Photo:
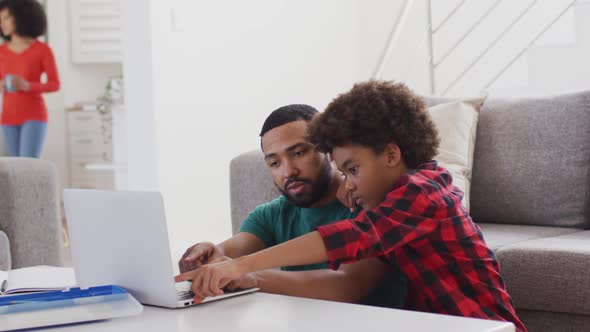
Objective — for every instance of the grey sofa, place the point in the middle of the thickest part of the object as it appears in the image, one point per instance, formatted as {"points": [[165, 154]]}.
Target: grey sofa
{"points": [[530, 194], [30, 226]]}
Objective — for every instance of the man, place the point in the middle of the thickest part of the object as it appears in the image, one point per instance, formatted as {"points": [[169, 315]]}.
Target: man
{"points": [[310, 185]]}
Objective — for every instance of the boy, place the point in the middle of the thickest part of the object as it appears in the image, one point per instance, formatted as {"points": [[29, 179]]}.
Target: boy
{"points": [[382, 139]]}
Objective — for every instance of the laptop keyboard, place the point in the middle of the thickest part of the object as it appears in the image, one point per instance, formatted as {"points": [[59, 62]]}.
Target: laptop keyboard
{"points": [[188, 295], [184, 295], [183, 290]]}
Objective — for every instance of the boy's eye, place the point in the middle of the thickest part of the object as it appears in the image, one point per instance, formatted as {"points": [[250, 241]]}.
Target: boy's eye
{"points": [[353, 170], [273, 164], [342, 174]]}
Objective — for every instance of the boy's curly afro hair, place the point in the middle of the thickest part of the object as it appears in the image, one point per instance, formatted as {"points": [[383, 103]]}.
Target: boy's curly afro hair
{"points": [[374, 114]]}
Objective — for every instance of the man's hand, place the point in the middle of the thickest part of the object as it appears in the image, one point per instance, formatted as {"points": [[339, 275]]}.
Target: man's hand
{"points": [[209, 280], [198, 255]]}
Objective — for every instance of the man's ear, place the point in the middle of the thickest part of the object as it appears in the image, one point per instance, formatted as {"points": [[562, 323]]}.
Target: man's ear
{"points": [[393, 154]]}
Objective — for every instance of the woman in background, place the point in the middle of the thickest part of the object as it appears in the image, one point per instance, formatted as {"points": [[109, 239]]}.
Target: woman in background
{"points": [[23, 60]]}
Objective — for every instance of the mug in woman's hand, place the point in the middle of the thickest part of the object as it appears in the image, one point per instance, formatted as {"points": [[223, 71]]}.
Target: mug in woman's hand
{"points": [[9, 83]]}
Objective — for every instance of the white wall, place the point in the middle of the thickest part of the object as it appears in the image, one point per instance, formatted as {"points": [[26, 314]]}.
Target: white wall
{"points": [[138, 70], [78, 83], [217, 72]]}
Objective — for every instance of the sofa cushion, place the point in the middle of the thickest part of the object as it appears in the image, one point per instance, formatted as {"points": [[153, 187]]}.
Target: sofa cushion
{"points": [[531, 162], [552, 321], [250, 185], [5, 263], [500, 235], [456, 123], [549, 274], [435, 100], [29, 211]]}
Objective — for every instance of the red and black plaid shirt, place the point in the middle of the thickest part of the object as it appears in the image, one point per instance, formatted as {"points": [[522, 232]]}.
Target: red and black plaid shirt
{"points": [[423, 228]]}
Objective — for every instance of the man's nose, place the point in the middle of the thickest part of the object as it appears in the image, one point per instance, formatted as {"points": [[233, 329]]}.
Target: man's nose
{"points": [[290, 170]]}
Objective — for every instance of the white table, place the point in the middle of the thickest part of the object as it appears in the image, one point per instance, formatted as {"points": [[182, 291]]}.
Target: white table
{"points": [[261, 312]]}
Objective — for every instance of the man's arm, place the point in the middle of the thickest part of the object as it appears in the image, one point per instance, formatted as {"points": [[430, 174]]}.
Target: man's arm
{"points": [[205, 252], [240, 245], [350, 283]]}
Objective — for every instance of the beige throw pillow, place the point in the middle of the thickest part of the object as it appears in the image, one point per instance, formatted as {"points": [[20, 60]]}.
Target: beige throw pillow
{"points": [[457, 123]]}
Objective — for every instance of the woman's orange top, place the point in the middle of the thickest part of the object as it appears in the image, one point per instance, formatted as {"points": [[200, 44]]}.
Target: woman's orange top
{"points": [[19, 107]]}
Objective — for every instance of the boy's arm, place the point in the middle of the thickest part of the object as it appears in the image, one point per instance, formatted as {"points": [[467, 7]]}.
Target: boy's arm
{"points": [[351, 283], [372, 233], [206, 252], [210, 279], [255, 234], [306, 249], [240, 245]]}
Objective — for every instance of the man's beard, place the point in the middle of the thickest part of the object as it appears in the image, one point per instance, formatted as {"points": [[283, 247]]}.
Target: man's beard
{"points": [[318, 188]]}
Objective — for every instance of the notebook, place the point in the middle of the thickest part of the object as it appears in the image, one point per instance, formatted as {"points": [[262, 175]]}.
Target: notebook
{"points": [[36, 279], [75, 305]]}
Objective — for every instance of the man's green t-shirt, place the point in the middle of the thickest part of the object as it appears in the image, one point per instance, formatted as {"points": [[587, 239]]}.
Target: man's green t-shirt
{"points": [[280, 221]]}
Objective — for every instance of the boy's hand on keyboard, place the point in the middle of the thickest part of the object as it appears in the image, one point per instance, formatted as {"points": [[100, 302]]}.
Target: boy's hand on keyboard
{"points": [[210, 279], [198, 255], [244, 282]]}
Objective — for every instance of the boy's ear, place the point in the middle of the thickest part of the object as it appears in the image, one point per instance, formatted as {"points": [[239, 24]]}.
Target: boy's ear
{"points": [[393, 154]]}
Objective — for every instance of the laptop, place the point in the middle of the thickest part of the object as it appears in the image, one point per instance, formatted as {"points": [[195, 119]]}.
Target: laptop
{"points": [[120, 238]]}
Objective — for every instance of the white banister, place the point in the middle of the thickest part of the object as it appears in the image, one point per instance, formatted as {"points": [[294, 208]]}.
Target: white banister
{"points": [[530, 44], [468, 32], [490, 46], [448, 17], [393, 38]]}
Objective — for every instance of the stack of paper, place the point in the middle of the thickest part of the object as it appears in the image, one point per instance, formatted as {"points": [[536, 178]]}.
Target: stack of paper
{"points": [[36, 279]]}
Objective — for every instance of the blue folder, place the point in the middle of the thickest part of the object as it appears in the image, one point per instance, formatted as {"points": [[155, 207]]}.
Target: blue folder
{"points": [[63, 307]]}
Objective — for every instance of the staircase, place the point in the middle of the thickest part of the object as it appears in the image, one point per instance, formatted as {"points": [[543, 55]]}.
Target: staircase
{"points": [[505, 47]]}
